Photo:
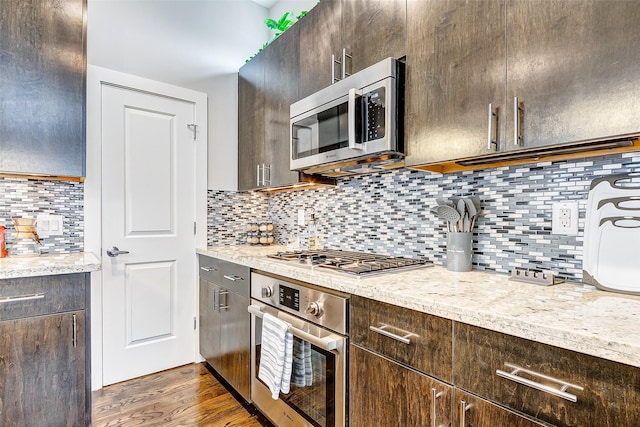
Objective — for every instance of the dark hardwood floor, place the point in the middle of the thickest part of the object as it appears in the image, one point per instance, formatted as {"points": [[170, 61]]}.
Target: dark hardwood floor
{"points": [[186, 396]]}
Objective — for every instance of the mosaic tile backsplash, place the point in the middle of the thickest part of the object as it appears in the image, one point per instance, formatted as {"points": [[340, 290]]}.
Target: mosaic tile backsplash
{"points": [[26, 198], [389, 213]]}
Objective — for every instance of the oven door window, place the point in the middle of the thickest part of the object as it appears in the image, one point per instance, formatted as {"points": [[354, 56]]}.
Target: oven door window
{"points": [[315, 401]]}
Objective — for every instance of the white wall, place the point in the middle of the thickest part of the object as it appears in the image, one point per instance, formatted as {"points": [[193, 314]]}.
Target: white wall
{"points": [[196, 44]]}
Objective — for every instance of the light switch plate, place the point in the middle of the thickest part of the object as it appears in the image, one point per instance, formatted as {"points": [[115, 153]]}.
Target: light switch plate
{"points": [[49, 225], [301, 217]]}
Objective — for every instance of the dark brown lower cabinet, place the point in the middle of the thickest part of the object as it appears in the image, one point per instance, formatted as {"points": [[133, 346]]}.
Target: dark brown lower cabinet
{"points": [[385, 393], [472, 411], [44, 351], [42, 375]]}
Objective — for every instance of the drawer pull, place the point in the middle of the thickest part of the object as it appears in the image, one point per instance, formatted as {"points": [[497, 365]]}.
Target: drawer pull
{"points": [[562, 392], [21, 298], [208, 269], [383, 331], [233, 278]]}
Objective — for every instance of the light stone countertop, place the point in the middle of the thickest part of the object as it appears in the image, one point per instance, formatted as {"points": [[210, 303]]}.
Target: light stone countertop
{"points": [[569, 315], [47, 265]]}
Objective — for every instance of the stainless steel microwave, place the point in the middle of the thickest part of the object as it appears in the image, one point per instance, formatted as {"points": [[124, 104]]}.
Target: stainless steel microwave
{"points": [[359, 117]]}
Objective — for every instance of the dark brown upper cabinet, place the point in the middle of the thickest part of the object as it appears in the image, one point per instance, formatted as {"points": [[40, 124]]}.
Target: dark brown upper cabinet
{"points": [[339, 38], [251, 123], [573, 66], [42, 87], [266, 89], [455, 72], [280, 74], [486, 78]]}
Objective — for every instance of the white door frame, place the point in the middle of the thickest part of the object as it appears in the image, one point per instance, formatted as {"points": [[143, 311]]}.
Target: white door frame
{"points": [[96, 77]]}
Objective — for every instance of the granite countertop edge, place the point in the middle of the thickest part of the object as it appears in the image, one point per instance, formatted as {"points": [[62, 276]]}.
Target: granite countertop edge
{"points": [[572, 316], [48, 265]]}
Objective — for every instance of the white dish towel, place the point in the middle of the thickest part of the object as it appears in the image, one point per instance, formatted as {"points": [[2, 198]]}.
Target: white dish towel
{"points": [[276, 355]]}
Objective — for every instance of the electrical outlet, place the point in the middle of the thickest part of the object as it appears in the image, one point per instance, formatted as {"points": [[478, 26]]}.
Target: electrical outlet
{"points": [[301, 217], [565, 218]]}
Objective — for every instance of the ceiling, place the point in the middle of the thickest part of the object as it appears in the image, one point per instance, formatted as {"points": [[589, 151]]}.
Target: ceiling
{"points": [[266, 3], [181, 42]]}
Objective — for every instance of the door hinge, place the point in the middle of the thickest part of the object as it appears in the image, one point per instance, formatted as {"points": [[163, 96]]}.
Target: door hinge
{"points": [[194, 227], [194, 323], [194, 128]]}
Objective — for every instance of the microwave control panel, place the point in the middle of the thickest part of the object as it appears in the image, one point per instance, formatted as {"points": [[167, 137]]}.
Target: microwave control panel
{"points": [[375, 114]]}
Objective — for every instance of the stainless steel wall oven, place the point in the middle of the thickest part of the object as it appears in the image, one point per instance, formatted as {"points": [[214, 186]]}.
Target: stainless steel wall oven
{"points": [[318, 317]]}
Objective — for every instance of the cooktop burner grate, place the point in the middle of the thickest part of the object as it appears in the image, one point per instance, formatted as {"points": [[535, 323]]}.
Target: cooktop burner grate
{"points": [[356, 263]]}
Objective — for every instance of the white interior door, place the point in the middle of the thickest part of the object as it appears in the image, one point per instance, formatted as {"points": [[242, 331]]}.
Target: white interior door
{"points": [[147, 210]]}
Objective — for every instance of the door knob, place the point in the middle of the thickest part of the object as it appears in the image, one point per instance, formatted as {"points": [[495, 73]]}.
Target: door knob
{"points": [[114, 252]]}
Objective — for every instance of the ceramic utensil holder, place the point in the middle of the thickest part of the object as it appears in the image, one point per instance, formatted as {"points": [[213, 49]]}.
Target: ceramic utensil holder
{"points": [[459, 251]]}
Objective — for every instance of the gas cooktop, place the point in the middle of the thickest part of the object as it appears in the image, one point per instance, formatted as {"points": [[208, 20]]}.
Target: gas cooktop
{"points": [[355, 263]]}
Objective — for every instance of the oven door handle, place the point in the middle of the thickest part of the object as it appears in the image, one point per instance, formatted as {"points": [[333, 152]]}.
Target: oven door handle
{"points": [[328, 343]]}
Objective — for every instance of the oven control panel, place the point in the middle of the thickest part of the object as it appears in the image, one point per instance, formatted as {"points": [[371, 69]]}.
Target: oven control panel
{"points": [[289, 297], [318, 305]]}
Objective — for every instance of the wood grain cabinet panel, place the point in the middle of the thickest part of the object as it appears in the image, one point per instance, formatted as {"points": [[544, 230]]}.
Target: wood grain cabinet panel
{"points": [[42, 87], [473, 411], [251, 130], [574, 66], [430, 337], [373, 30], [385, 393], [455, 70], [319, 38], [42, 374], [280, 74], [569, 65], [44, 358], [610, 394], [41, 295], [368, 30]]}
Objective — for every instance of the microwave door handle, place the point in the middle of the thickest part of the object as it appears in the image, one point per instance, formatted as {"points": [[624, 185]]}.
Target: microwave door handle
{"points": [[351, 107]]}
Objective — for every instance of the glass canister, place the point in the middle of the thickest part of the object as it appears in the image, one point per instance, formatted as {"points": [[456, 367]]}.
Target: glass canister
{"points": [[26, 241]]}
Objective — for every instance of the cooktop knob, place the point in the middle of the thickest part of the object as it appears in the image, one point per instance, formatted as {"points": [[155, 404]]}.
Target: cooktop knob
{"points": [[314, 309], [267, 292]]}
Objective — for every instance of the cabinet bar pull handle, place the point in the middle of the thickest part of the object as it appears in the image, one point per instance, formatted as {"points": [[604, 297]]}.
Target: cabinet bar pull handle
{"points": [[21, 298], [345, 55], [463, 413], [233, 278], [208, 269], [333, 69], [513, 376], [434, 395], [492, 134], [257, 175], [222, 292], [518, 112], [266, 178], [382, 331], [74, 339]]}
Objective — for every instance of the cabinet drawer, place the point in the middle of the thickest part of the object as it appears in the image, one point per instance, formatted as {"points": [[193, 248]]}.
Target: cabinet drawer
{"points": [[235, 278], [485, 362], [209, 268], [429, 337], [36, 296]]}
